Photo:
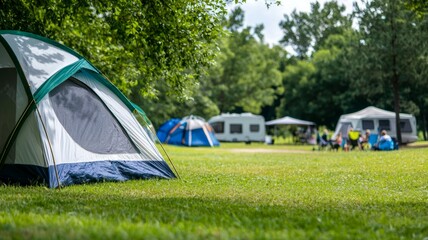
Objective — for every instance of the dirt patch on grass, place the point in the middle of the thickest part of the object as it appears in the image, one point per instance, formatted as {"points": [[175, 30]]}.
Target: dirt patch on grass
{"points": [[415, 145], [263, 150]]}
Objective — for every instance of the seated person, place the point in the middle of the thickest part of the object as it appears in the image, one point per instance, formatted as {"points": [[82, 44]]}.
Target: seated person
{"points": [[364, 140], [354, 137], [324, 138], [385, 142], [338, 142]]}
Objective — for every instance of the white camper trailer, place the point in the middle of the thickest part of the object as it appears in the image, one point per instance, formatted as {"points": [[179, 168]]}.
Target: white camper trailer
{"points": [[244, 127], [375, 120]]}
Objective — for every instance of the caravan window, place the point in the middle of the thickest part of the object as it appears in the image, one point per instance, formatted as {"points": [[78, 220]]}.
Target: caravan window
{"points": [[218, 127], [384, 125], [254, 127], [405, 126], [368, 124], [235, 128]]}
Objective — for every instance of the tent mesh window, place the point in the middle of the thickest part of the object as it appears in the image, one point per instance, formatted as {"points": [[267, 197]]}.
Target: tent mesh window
{"points": [[87, 120], [8, 91]]}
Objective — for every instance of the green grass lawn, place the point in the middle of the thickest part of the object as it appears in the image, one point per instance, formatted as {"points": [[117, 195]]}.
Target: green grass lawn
{"points": [[238, 191]]}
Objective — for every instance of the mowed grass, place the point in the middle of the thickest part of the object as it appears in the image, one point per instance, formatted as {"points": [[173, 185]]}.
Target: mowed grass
{"points": [[238, 191]]}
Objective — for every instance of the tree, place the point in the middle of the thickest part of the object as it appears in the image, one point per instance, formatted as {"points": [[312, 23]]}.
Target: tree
{"points": [[297, 84], [135, 43], [249, 75], [316, 86], [420, 6], [416, 93], [244, 78], [306, 32], [332, 93], [388, 46]]}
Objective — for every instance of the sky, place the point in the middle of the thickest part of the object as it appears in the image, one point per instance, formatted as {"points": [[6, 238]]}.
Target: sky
{"points": [[256, 12]]}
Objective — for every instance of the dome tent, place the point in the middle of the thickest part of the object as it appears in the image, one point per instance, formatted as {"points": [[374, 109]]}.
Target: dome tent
{"points": [[166, 127], [64, 123], [191, 131]]}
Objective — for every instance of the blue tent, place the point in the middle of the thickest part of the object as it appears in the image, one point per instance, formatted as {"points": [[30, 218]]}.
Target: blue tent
{"points": [[166, 127], [191, 131]]}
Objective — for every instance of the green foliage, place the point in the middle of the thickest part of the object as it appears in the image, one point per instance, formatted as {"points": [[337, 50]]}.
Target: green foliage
{"points": [[419, 6], [165, 107], [316, 87], [248, 76], [135, 43], [392, 43], [306, 32], [383, 63], [280, 192]]}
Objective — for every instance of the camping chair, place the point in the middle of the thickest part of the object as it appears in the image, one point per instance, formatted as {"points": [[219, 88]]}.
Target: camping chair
{"points": [[372, 140], [354, 137], [394, 140], [322, 143]]}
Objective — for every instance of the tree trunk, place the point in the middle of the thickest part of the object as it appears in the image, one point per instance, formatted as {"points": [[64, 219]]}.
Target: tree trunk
{"points": [[395, 78], [397, 108], [424, 128]]}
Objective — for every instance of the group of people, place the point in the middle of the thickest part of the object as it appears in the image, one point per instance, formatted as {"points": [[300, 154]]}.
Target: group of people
{"points": [[355, 139]]}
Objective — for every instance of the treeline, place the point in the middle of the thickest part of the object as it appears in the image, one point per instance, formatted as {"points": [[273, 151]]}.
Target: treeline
{"points": [[176, 58], [376, 55]]}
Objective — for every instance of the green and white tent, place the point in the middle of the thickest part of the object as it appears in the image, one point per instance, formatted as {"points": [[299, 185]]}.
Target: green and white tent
{"points": [[62, 122]]}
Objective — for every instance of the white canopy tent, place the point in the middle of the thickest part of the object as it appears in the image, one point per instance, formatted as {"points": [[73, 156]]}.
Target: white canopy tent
{"points": [[290, 121], [376, 119]]}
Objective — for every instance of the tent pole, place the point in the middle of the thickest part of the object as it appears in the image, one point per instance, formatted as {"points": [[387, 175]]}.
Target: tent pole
{"points": [[275, 131], [50, 147], [151, 128], [169, 159], [208, 135]]}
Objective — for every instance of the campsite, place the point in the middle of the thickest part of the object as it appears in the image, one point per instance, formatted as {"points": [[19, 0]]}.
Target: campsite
{"points": [[178, 119]]}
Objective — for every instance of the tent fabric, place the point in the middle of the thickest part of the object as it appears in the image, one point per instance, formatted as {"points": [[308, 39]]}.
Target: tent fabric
{"points": [[59, 77], [373, 112], [27, 148], [66, 123], [166, 127], [191, 131], [289, 121], [376, 119], [40, 59], [87, 120]]}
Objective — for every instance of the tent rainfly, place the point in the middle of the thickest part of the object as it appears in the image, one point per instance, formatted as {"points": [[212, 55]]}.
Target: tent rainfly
{"points": [[64, 123]]}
